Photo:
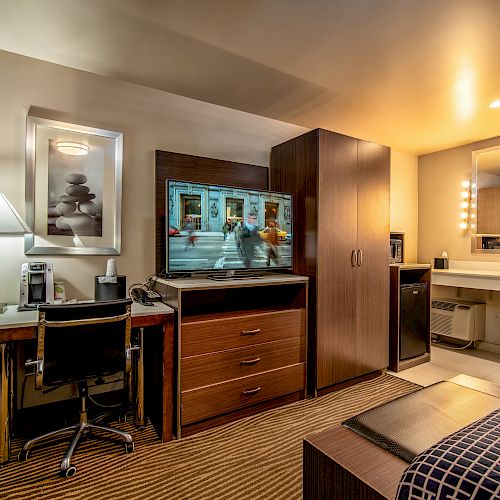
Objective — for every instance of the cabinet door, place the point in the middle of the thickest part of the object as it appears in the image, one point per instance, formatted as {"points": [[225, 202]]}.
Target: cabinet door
{"points": [[373, 242], [336, 346]]}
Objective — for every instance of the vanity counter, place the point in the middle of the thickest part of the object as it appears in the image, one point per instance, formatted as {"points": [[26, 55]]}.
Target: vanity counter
{"points": [[481, 279]]}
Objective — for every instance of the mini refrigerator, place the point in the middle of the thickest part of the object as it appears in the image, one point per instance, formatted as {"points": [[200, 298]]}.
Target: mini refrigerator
{"points": [[413, 320]]}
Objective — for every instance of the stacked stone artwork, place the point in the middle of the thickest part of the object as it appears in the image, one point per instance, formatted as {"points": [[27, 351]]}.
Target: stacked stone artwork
{"points": [[76, 210]]}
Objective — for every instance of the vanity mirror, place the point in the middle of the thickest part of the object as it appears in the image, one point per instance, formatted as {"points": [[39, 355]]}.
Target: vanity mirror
{"points": [[485, 200]]}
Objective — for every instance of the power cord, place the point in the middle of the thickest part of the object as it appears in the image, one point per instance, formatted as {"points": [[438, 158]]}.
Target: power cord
{"points": [[448, 346], [102, 405]]}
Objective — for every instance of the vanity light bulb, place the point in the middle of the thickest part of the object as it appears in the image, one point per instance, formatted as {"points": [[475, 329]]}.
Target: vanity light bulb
{"points": [[473, 205], [473, 216], [474, 185], [473, 195], [465, 184], [473, 226], [463, 225], [464, 204], [464, 194], [463, 215]]}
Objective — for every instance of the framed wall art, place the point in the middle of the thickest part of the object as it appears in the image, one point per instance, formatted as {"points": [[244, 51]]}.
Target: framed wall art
{"points": [[73, 188]]}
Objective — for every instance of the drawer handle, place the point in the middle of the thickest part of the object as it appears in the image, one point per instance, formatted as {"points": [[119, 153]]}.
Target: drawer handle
{"points": [[250, 361], [250, 332], [250, 392]]}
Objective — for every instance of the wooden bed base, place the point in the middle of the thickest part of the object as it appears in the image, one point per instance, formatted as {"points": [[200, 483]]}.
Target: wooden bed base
{"points": [[338, 463]]}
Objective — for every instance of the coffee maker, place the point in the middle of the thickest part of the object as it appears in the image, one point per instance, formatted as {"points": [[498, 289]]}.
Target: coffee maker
{"points": [[37, 285]]}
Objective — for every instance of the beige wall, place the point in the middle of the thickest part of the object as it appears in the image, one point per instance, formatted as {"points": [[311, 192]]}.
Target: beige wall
{"points": [[150, 120], [440, 176], [404, 200]]}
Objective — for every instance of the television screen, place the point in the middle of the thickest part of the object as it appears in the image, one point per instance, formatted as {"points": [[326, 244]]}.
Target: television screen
{"points": [[224, 228]]}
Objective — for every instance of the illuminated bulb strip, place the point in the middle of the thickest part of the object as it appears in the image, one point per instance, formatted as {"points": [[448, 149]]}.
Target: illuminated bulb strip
{"points": [[73, 148], [466, 196], [495, 104]]}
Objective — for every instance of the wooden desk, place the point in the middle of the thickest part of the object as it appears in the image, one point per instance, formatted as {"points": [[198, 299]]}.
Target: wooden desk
{"points": [[19, 326]]}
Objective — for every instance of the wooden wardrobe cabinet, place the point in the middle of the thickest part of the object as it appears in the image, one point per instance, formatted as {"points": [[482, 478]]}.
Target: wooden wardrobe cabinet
{"points": [[340, 188]]}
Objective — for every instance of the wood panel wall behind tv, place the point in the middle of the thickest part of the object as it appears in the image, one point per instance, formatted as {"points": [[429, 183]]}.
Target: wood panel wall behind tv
{"points": [[190, 168]]}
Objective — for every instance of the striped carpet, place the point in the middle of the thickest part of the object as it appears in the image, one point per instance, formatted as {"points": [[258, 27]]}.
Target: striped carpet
{"points": [[257, 457]]}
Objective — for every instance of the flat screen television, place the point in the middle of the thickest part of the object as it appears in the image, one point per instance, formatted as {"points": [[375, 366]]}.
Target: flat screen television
{"points": [[218, 228]]}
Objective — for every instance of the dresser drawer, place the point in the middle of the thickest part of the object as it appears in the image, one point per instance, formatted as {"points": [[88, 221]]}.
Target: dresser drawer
{"points": [[213, 368], [201, 337], [206, 402]]}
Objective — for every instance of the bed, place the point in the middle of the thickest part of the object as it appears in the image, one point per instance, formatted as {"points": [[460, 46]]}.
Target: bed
{"points": [[342, 463]]}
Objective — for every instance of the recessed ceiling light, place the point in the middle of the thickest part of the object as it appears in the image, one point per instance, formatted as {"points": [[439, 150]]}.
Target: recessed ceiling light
{"points": [[495, 104]]}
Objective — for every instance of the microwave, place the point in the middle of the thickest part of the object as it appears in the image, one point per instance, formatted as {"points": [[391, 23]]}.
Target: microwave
{"points": [[396, 251]]}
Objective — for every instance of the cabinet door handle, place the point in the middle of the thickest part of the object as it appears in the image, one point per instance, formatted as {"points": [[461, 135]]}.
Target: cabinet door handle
{"points": [[249, 361], [360, 257], [250, 332], [353, 258], [250, 392]]}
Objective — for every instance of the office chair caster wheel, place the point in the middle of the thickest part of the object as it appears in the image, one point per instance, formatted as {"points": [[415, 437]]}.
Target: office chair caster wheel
{"points": [[69, 472], [23, 455], [129, 447]]}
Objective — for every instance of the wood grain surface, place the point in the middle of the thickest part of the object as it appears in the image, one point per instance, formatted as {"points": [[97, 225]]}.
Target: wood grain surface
{"points": [[241, 331], [205, 402], [213, 368]]}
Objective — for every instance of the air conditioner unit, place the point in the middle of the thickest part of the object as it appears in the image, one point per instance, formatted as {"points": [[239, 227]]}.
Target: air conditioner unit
{"points": [[459, 319]]}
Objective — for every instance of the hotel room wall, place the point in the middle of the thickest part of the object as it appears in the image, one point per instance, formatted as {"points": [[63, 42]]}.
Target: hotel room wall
{"points": [[440, 176], [404, 200], [150, 120]]}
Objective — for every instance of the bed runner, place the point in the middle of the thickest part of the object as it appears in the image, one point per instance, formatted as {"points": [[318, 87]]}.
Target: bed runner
{"points": [[413, 423]]}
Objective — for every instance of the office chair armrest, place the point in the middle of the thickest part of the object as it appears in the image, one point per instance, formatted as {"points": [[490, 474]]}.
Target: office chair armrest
{"points": [[38, 364]]}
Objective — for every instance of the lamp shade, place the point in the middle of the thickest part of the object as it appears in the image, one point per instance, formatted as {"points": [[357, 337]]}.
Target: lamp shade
{"points": [[10, 221]]}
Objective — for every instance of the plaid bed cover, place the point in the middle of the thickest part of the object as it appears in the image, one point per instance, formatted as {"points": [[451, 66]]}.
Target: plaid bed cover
{"points": [[463, 466]]}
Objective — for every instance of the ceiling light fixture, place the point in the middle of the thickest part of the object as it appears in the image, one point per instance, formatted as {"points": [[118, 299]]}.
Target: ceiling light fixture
{"points": [[495, 104], [73, 148]]}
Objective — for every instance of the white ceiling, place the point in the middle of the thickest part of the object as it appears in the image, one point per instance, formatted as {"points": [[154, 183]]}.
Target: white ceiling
{"points": [[417, 75]]}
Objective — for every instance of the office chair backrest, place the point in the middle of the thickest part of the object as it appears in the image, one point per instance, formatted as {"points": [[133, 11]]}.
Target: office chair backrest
{"points": [[81, 341]]}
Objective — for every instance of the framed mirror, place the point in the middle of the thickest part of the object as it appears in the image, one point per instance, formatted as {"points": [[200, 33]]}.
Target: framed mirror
{"points": [[485, 200]]}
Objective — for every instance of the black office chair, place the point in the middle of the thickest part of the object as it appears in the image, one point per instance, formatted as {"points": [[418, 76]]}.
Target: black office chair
{"points": [[77, 343]]}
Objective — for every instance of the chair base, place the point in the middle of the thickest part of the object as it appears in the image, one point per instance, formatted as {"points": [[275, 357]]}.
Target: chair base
{"points": [[79, 431]]}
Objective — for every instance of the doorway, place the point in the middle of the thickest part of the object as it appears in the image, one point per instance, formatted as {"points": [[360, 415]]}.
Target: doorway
{"points": [[191, 207], [234, 211], [271, 213]]}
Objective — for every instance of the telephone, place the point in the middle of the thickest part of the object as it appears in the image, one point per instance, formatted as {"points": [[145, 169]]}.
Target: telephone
{"points": [[143, 296]]}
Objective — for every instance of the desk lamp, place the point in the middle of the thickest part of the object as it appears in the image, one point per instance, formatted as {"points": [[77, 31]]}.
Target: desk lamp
{"points": [[11, 223]]}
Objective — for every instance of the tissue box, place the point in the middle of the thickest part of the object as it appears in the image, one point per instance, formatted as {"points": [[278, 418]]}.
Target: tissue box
{"points": [[111, 291], [441, 263], [3, 307]]}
